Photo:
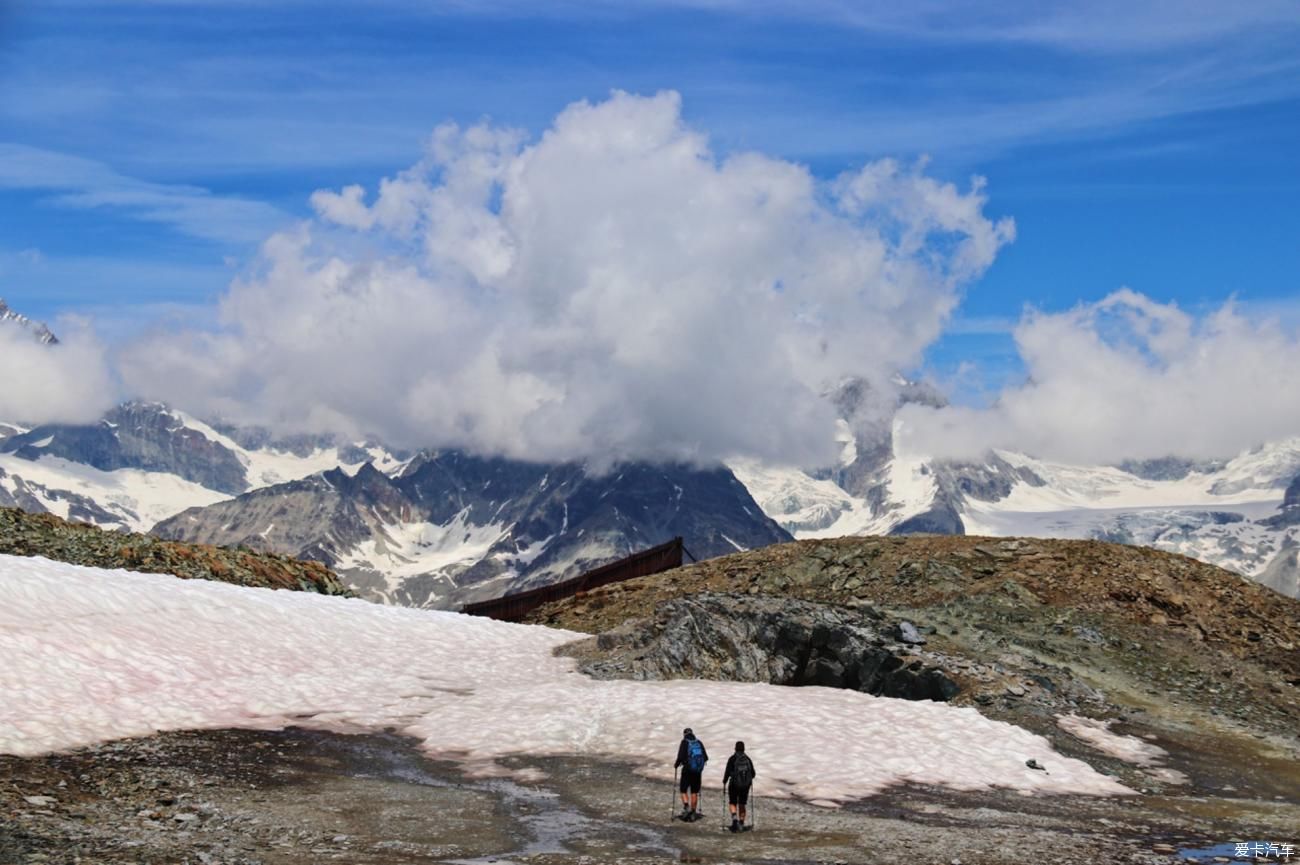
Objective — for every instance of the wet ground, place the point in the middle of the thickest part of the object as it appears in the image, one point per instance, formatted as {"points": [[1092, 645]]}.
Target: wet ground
{"points": [[296, 797]]}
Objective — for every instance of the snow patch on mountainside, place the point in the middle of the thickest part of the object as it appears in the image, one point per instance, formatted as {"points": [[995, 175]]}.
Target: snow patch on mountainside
{"points": [[95, 655], [799, 502], [138, 499], [403, 550], [810, 507]]}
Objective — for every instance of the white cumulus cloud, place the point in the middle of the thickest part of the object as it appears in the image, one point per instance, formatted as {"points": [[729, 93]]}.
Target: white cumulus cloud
{"points": [[65, 383], [613, 289], [1128, 377]]}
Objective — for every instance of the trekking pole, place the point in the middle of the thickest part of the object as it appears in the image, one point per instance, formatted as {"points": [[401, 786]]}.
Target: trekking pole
{"points": [[753, 807], [672, 815], [726, 824]]}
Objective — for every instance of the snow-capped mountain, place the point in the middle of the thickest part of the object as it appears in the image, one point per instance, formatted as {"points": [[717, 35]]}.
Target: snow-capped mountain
{"points": [[1233, 513], [452, 528], [144, 462], [430, 530], [39, 332]]}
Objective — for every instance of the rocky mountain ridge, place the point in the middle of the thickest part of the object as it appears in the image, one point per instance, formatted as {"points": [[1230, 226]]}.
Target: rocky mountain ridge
{"points": [[452, 528], [39, 331]]}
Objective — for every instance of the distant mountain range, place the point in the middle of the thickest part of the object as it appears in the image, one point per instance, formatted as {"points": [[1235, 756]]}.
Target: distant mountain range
{"points": [[1241, 513], [439, 528]]}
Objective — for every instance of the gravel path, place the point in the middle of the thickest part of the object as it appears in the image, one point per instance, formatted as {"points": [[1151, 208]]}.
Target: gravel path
{"points": [[296, 797]]}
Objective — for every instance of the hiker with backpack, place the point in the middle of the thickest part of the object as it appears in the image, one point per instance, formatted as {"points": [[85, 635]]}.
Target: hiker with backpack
{"points": [[740, 772], [691, 757]]}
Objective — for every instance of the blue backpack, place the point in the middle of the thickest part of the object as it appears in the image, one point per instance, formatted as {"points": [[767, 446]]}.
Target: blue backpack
{"points": [[695, 755]]}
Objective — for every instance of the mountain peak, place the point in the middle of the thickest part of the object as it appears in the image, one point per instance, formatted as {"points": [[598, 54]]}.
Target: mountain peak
{"points": [[41, 333]]}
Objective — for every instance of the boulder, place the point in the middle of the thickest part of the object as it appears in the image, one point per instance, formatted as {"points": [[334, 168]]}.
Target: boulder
{"points": [[761, 638]]}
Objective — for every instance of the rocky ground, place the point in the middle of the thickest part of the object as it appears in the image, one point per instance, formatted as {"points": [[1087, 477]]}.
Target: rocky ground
{"points": [[296, 797], [26, 534]]}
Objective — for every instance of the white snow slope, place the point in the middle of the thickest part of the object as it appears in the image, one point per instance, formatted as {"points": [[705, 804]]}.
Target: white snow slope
{"points": [[91, 655]]}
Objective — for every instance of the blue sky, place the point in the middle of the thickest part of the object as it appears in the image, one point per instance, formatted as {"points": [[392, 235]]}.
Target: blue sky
{"points": [[147, 147]]}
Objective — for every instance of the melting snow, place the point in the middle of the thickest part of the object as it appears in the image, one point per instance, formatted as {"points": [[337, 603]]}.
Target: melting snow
{"points": [[734, 544], [1097, 733], [94, 655]]}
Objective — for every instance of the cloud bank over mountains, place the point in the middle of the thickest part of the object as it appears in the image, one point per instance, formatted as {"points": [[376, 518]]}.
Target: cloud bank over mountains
{"points": [[1127, 377], [614, 289], [611, 290]]}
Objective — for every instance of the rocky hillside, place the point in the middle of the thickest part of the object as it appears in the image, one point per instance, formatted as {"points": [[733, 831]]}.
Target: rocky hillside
{"points": [[1200, 662], [25, 534], [1139, 586]]}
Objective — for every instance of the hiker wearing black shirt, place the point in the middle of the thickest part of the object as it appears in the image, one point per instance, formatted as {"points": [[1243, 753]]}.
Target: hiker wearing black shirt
{"points": [[691, 757], [740, 772]]}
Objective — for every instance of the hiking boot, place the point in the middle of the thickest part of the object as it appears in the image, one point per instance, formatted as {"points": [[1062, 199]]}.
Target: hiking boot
{"points": [[735, 825]]}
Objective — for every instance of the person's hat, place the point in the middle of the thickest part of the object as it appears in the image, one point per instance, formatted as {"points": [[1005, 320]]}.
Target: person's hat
{"points": [[687, 733]]}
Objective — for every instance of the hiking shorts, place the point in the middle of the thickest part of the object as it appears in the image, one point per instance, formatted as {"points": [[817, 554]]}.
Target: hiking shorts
{"points": [[691, 781], [737, 795]]}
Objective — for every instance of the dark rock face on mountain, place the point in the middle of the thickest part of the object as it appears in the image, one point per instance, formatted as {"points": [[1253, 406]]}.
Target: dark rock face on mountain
{"points": [[1168, 468], [988, 481], [454, 528], [942, 519], [318, 518], [137, 435], [39, 332], [781, 641], [1289, 511], [24, 534]]}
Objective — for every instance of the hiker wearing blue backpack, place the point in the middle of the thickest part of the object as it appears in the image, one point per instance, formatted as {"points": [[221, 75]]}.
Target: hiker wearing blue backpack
{"points": [[691, 757], [740, 772]]}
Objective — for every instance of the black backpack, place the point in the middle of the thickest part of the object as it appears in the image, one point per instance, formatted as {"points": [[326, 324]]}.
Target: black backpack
{"points": [[742, 774]]}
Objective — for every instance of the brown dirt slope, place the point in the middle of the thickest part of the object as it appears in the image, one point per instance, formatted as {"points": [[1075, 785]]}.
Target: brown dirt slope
{"points": [[24, 534]]}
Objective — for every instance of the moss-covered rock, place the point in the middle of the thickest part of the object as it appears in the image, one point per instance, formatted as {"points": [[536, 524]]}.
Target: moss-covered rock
{"points": [[25, 534]]}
